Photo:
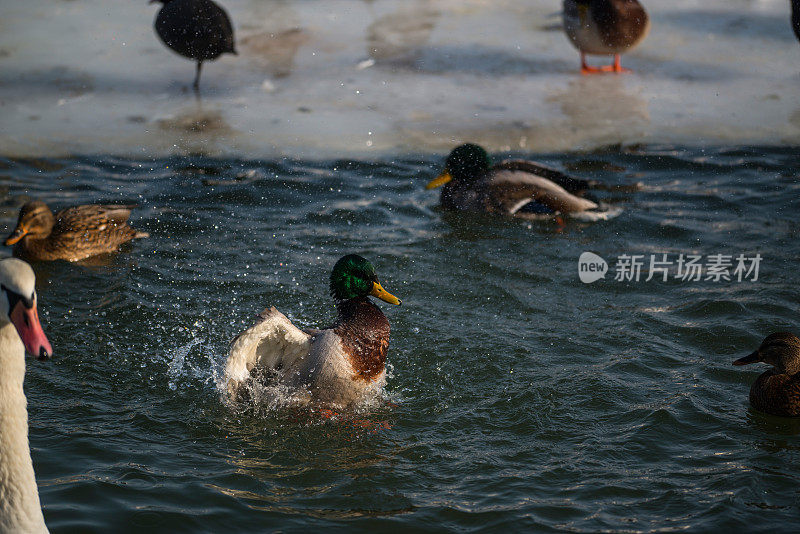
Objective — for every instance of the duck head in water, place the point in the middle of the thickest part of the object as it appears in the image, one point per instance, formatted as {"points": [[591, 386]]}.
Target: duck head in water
{"points": [[35, 220], [354, 277], [466, 163], [780, 350]]}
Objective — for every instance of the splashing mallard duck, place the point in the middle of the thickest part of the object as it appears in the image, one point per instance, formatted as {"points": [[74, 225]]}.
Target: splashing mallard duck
{"points": [[776, 391], [605, 28], [71, 234], [337, 365], [516, 188]]}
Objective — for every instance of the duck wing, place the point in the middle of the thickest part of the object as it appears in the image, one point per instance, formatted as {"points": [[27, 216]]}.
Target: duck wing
{"points": [[776, 394], [576, 186], [273, 342], [511, 191], [572, 185], [230, 45], [91, 218]]}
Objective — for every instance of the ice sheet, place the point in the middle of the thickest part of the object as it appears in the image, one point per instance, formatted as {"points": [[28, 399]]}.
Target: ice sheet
{"points": [[321, 78]]}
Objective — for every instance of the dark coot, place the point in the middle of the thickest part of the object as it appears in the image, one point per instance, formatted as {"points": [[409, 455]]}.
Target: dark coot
{"points": [[197, 29], [796, 18]]}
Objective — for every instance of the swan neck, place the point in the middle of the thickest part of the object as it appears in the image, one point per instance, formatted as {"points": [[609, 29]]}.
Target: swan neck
{"points": [[20, 510]]}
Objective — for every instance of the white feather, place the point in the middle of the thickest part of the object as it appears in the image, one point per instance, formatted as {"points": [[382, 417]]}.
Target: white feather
{"points": [[546, 192], [516, 207], [20, 510], [272, 343], [317, 363]]}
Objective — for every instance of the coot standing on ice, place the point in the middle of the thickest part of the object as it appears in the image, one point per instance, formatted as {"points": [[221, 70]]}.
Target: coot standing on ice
{"points": [[796, 18], [197, 29]]}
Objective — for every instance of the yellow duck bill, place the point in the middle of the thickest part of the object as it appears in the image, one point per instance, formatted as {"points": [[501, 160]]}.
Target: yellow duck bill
{"points": [[439, 180], [379, 292]]}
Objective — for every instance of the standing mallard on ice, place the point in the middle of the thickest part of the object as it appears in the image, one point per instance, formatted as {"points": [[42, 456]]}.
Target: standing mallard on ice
{"points": [[605, 28], [516, 188], [776, 391], [197, 29], [338, 365], [73, 233]]}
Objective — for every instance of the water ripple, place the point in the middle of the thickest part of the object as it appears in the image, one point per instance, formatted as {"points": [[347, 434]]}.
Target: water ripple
{"points": [[518, 397]]}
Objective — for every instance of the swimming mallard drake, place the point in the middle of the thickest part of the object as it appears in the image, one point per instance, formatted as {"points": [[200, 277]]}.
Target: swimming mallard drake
{"points": [[73, 233], [777, 391], [339, 364], [515, 188], [605, 28]]}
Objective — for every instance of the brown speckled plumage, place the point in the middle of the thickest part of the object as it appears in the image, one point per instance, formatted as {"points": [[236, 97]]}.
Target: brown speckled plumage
{"points": [[777, 394], [622, 23], [71, 234], [777, 391], [364, 333], [605, 28]]}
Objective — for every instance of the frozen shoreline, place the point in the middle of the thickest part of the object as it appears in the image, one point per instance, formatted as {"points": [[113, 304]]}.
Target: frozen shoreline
{"points": [[353, 78]]}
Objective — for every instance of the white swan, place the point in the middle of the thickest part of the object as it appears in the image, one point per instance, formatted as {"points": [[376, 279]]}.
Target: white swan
{"points": [[20, 511]]}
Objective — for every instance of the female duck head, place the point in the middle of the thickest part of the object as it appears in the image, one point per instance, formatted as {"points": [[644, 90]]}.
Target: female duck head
{"points": [[780, 350], [465, 163], [35, 219], [354, 277]]}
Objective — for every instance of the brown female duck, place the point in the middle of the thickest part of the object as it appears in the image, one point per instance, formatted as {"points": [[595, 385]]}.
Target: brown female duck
{"points": [[605, 28], [71, 234], [777, 391], [338, 365]]}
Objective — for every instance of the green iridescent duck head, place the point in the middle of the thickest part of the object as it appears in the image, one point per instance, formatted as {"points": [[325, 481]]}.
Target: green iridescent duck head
{"points": [[465, 163], [354, 277]]}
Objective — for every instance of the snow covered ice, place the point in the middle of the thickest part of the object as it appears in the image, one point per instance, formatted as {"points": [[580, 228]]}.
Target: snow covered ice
{"points": [[353, 77]]}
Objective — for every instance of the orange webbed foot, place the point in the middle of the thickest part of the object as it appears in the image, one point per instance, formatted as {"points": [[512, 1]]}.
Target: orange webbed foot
{"points": [[605, 69], [615, 67], [585, 69]]}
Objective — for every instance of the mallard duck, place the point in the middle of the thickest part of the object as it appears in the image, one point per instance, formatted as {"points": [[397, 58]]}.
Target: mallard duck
{"points": [[73, 233], [197, 29], [515, 188], [776, 391], [337, 365], [20, 330], [605, 28]]}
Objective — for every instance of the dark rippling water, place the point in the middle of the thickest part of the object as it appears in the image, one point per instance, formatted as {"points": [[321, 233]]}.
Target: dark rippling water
{"points": [[518, 396]]}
